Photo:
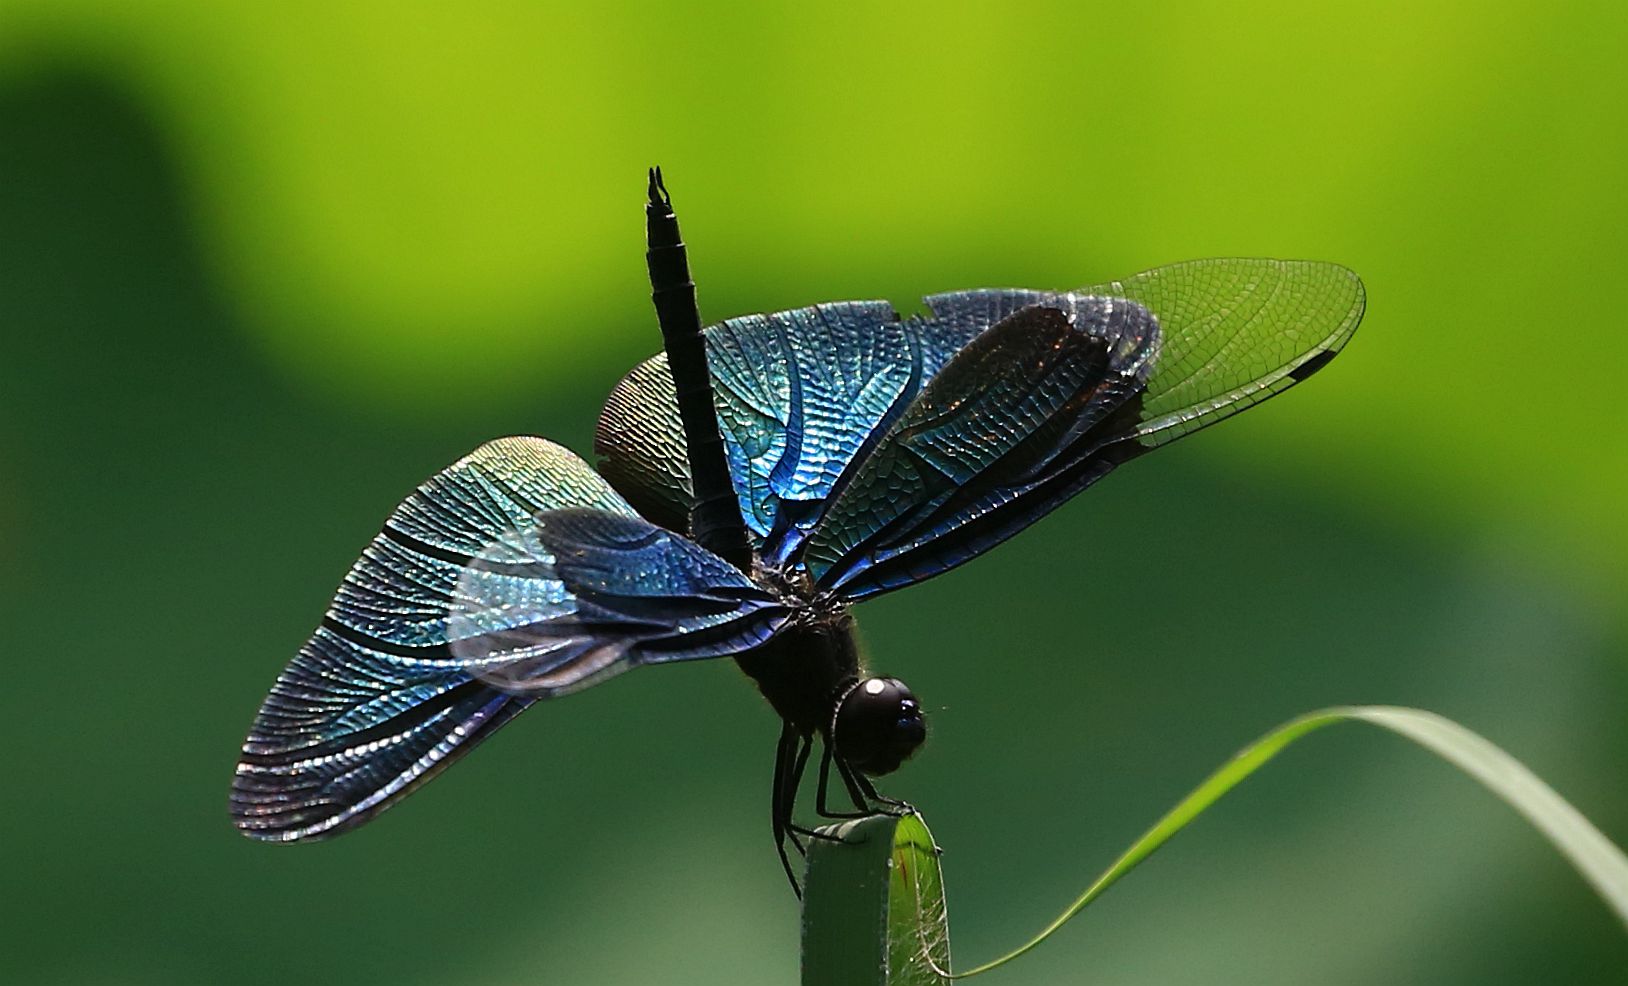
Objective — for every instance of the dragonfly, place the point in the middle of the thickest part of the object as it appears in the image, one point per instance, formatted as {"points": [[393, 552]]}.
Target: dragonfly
{"points": [[755, 480]]}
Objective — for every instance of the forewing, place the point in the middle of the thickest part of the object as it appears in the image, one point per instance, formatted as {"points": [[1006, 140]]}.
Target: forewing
{"points": [[1235, 332], [1230, 333], [1004, 432], [800, 396], [400, 679], [971, 312]]}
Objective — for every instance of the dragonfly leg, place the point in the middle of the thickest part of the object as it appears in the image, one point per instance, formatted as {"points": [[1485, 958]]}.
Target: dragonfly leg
{"points": [[785, 755], [817, 834], [820, 803], [864, 794], [790, 761], [794, 780], [891, 806], [850, 780]]}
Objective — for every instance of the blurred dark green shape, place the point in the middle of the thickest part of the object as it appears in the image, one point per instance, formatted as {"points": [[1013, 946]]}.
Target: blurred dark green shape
{"points": [[217, 323]]}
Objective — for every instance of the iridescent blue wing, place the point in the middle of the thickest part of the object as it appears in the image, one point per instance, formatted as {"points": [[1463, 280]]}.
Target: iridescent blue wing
{"points": [[515, 574], [1229, 333], [1234, 332], [582, 594], [975, 311], [800, 396], [1000, 435]]}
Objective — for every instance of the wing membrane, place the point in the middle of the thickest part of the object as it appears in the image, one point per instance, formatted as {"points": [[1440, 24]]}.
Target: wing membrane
{"points": [[1236, 331], [1231, 333], [974, 311], [591, 593], [406, 671], [800, 395], [640, 444], [996, 439]]}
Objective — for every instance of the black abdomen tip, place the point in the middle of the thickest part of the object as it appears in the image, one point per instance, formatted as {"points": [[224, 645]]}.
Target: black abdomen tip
{"points": [[658, 191]]}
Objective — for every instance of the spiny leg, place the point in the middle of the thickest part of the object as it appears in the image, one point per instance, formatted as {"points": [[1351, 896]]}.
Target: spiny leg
{"points": [[793, 782], [893, 806], [850, 781], [820, 803], [864, 794]]}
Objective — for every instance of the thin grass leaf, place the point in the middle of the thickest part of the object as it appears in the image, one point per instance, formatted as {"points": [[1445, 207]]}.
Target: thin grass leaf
{"points": [[1600, 862]]}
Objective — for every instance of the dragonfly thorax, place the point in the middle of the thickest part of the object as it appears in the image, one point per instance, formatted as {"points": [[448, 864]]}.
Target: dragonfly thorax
{"points": [[805, 669]]}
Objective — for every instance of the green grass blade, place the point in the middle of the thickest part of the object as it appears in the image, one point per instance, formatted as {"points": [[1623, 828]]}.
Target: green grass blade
{"points": [[918, 923], [1600, 862], [873, 905], [845, 902]]}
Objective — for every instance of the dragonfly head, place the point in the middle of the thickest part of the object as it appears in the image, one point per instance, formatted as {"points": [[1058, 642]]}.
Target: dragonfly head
{"points": [[878, 725]]}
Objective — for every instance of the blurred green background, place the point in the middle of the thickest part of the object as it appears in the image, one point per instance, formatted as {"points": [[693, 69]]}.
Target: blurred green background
{"points": [[263, 268]]}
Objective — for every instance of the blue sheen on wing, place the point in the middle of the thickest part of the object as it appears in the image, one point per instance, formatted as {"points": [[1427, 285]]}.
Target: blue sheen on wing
{"points": [[1001, 435], [1227, 333], [801, 397], [799, 394], [969, 313], [635, 594], [402, 675], [1232, 332]]}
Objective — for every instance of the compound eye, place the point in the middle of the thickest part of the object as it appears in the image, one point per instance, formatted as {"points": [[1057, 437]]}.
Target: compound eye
{"points": [[878, 725]]}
